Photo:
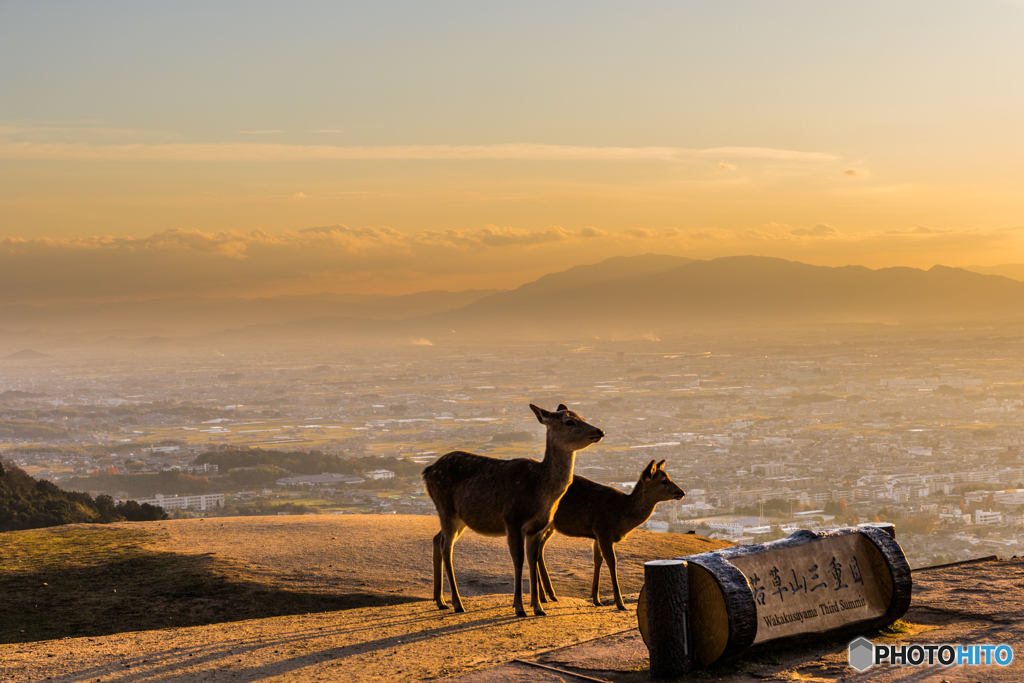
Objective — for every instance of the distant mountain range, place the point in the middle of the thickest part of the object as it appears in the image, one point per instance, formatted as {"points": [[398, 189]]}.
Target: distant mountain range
{"points": [[620, 298], [1013, 271], [653, 295], [743, 290]]}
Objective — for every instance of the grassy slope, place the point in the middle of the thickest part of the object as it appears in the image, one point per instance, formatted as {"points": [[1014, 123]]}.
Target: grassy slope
{"points": [[88, 580]]}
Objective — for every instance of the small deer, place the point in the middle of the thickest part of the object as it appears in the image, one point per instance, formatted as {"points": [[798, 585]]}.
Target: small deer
{"points": [[592, 510], [512, 498]]}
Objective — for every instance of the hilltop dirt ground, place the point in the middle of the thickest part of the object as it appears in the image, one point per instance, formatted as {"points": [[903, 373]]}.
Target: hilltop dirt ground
{"points": [[313, 598]]}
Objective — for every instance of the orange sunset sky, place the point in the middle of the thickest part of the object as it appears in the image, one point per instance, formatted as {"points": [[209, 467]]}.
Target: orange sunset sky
{"points": [[261, 148]]}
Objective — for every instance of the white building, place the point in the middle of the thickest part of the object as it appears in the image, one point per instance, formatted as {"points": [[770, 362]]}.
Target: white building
{"points": [[377, 475], [731, 528], [193, 469], [988, 517], [769, 469], [1010, 497], [203, 502], [955, 517]]}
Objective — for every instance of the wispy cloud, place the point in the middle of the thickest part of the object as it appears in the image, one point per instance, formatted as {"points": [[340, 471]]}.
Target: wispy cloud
{"points": [[925, 230], [755, 234], [641, 233], [819, 230], [83, 132], [919, 230], [255, 152], [768, 153]]}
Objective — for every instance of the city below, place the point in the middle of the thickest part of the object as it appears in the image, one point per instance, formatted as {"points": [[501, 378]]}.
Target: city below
{"points": [[837, 426]]}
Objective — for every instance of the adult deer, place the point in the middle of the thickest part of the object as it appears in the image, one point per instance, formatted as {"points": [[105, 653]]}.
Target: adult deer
{"points": [[512, 498], [592, 510]]}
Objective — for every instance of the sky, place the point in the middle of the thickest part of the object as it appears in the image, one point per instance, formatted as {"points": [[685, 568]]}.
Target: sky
{"points": [[260, 148]]}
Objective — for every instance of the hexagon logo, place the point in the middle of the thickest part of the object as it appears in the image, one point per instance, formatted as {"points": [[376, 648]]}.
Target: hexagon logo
{"points": [[862, 653]]}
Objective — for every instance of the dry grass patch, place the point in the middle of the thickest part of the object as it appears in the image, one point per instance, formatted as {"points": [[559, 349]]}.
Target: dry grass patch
{"points": [[89, 580]]}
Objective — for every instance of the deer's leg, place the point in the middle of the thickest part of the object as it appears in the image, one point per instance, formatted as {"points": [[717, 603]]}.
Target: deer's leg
{"points": [[438, 587], [446, 554], [595, 589], [514, 536], [532, 552], [608, 550], [542, 567]]}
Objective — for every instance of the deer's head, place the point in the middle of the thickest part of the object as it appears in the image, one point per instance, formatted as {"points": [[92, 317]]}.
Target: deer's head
{"points": [[656, 485], [566, 429]]}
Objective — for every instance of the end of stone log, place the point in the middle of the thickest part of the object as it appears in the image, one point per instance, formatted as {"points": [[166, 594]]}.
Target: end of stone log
{"points": [[887, 527], [666, 584]]}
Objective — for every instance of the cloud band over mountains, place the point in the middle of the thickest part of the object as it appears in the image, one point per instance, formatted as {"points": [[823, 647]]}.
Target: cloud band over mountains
{"points": [[339, 258], [334, 258]]}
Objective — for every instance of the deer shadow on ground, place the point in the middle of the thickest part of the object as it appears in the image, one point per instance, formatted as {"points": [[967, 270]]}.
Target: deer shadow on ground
{"points": [[166, 665]]}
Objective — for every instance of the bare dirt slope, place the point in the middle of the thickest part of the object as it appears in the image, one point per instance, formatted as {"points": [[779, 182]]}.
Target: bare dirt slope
{"points": [[355, 591]]}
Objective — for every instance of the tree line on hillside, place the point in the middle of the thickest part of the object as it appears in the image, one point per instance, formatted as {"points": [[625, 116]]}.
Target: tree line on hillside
{"points": [[143, 485], [26, 503], [312, 462], [237, 470], [28, 429], [296, 462], [91, 449]]}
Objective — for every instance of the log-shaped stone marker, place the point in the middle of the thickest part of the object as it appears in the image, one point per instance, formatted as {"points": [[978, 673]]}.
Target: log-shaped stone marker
{"points": [[806, 586], [668, 596]]}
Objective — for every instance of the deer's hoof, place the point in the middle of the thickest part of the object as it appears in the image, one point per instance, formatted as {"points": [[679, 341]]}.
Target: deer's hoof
{"points": [[598, 603], [459, 609], [520, 612], [441, 605], [539, 612], [621, 608]]}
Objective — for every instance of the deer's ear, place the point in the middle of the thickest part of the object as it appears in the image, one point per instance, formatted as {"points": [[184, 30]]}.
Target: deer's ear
{"points": [[649, 470], [540, 413], [661, 465], [562, 406]]}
